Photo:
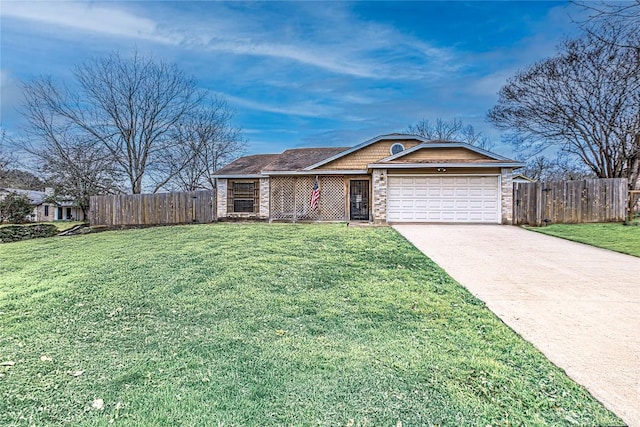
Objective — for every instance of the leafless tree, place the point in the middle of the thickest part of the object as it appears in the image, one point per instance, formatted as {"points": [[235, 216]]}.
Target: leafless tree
{"points": [[205, 141], [73, 163], [129, 105], [78, 170], [624, 17], [450, 130], [584, 101], [560, 168], [6, 159]]}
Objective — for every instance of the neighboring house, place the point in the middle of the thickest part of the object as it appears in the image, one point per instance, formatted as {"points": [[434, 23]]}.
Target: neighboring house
{"points": [[387, 179], [43, 210], [522, 178]]}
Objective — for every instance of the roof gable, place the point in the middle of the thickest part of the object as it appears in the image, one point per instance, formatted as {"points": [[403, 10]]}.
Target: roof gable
{"points": [[453, 147], [392, 136], [445, 154]]}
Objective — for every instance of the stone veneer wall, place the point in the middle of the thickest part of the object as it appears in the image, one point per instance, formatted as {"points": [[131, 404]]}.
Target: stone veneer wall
{"points": [[264, 198], [221, 198], [506, 198], [379, 196]]}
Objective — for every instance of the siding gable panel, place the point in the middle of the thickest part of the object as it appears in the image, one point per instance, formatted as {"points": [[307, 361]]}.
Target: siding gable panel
{"points": [[457, 153], [358, 160]]}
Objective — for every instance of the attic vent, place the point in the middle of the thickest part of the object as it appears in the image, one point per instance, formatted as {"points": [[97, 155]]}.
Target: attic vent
{"points": [[396, 148]]}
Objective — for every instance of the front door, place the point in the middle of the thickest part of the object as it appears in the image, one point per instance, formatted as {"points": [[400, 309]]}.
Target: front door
{"points": [[359, 200]]}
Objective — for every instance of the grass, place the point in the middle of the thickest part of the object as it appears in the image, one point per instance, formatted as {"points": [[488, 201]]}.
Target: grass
{"points": [[261, 324], [61, 225], [613, 236]]}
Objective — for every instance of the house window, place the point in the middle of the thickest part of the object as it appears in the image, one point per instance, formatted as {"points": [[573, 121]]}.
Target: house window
{"points": [[243, 196], [396, 148], [46, 210]]}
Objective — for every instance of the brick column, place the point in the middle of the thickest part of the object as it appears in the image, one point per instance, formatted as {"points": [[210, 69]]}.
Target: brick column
{"points": [[221, 198], [506, 197], [379, 185]]}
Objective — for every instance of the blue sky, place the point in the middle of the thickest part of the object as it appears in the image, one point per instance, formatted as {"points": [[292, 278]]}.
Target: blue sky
{"points": [[299, 73]]}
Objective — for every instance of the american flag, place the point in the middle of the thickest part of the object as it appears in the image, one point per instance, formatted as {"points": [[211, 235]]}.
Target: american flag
{"points": [[315, 195]]}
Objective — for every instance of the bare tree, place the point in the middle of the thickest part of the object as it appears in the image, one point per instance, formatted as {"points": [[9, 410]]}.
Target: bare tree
{"points": [[205, 141], [6, 160], [584, 101], [560, 168], [624, 17], [78, 170], [76, 164], [129, 105], [450, 130]]}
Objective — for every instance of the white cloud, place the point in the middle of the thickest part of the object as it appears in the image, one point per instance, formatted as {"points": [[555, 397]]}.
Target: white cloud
{"points": [[299, 54], [303, 109], [86, 17], [489, 85], [337, 43]]}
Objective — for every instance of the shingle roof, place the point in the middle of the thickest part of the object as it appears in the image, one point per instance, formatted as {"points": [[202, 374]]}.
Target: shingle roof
{"points": [[307, 159], [35, 197], [289, 160], [300, 158], [248, 165]]}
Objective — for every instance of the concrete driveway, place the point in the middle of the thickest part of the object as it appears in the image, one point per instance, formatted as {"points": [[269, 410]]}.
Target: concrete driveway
{"points": [[577, 304]]}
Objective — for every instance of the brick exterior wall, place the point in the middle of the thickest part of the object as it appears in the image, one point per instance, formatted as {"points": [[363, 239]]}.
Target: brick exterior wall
{"points": [[264, 198], [221, 198], [506, 198], [379, 196]]}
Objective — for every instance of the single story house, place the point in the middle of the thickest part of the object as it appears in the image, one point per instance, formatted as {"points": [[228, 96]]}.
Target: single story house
{"points": [[44, 209], [387, 179]]}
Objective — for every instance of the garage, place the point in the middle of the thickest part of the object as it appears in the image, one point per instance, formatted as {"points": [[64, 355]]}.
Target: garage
{"points": [[430, 198]]}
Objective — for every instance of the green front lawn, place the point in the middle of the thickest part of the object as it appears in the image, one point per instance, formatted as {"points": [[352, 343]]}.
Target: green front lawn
{"points": [[614, 236], [261, 325]]}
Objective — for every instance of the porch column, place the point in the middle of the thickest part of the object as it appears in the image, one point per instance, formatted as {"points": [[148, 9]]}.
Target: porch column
{"points": [[264, 198], [379, 184], [221, 198], [506, 197]]}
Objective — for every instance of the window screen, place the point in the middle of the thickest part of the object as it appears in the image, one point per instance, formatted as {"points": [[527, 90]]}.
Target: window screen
{"points": [[244, 196]]}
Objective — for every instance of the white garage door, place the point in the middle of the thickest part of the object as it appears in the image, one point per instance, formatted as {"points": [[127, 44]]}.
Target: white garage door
{"points": [[443, 199]]}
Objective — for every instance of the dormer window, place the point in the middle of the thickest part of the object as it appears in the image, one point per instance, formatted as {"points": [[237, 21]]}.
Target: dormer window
{"points": [[396, 148]]}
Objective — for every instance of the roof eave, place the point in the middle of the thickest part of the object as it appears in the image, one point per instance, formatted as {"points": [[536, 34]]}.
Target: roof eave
{"points": [[318, 172], [443, 165], [239, 176]]}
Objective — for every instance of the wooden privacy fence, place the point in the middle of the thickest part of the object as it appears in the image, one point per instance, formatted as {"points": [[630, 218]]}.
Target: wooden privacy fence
{"points": [[153, 209], [566, 202]]}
